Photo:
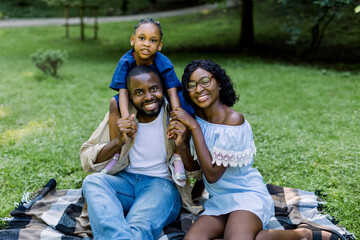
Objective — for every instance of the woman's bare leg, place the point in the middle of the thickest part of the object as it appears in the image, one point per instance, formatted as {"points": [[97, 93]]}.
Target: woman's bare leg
{"points": [[207, 227], [242, 225]]}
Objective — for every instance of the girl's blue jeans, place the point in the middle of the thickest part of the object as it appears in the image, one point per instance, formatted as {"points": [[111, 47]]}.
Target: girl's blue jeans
{"points": [[130, 206]]}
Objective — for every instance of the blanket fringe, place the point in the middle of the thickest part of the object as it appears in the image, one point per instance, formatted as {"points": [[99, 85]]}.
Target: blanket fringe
{"points": [[350, 237], [322, 209], [320, 193], [333, 219], [4, 224], [25, 199]]}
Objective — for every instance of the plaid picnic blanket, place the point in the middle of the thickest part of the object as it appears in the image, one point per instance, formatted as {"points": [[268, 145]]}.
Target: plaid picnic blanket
{"points": [[62, 214]]}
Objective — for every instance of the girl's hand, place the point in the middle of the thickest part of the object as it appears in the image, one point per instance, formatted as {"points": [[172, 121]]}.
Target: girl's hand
{"points": [[177, 132], [126, 127], [182, 116]]}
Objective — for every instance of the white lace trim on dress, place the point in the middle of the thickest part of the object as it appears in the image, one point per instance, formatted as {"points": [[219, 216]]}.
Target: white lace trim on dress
{"points": [[233, 158], [229, 157]]}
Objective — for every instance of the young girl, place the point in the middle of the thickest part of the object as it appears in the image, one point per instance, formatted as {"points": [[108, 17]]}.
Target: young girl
{"points": [[239, 204], [147, 42]]}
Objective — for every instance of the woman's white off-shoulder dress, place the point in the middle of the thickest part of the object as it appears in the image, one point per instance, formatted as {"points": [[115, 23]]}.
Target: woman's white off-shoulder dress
{"points": [[241, 187]]}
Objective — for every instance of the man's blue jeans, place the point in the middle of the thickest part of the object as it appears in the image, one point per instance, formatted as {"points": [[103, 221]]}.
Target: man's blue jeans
{"points": [[130, 206]]}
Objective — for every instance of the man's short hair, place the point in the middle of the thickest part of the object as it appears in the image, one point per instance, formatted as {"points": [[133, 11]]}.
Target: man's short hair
{"points": [[140, 69]]}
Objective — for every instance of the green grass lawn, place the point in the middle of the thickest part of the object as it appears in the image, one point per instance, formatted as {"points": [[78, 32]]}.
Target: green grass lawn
{"points": [[305, 118]]}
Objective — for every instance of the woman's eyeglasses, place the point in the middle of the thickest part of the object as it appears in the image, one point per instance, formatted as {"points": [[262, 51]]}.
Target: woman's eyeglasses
{"points": [[204, 82]]}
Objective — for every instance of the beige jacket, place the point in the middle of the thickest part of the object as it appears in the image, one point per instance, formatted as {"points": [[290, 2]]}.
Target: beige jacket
{"points": [[91, 148]]}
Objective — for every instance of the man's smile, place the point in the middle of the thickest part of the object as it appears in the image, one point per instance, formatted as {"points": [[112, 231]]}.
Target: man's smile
{"points": [[149, 106]]}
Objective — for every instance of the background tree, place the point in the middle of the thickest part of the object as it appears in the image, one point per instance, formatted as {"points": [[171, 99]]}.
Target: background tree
{"points": [[247, 36], [320, 13]]}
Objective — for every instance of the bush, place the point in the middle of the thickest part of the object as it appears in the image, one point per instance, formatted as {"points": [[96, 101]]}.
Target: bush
{"points": [[49, 61]]}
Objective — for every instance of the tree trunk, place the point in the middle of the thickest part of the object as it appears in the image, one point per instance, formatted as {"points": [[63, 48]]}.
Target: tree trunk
{"points": [[247, 39], [124, 6], [318, 32]]}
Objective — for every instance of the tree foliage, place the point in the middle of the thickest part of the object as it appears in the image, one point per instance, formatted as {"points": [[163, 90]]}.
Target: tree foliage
{"points": [[54, 8], [320, 13]]}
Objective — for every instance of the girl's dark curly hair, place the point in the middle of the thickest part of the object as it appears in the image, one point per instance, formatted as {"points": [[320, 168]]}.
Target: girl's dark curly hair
{"points": [[149, 20], [227, 92]]}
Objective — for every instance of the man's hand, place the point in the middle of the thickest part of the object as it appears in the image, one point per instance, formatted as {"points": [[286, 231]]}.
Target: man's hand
{"points": [[126, 127]]}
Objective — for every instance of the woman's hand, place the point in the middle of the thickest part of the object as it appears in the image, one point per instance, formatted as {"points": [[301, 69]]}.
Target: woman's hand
{"points": [[182, 116], [177, 132], [211, 171]]}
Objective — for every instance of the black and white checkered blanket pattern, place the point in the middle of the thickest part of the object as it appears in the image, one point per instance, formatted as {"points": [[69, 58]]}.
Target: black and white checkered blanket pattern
{"points": [[62, 214]]}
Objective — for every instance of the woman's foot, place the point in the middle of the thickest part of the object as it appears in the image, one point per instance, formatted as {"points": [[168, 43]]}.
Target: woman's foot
{"points": [[313, 231]]}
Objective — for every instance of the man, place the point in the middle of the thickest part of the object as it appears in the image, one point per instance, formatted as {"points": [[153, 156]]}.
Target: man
{"points": [[137, 197]]}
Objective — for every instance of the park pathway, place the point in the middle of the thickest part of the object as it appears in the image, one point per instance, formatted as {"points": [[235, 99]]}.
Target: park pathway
{"points": [[34, 22]]}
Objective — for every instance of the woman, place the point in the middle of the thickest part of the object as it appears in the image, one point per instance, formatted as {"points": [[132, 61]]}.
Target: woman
{"points": [[239, 206]]}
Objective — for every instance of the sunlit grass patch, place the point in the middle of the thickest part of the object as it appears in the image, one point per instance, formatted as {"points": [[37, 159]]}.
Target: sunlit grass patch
{"points": [[28, 74], [4, 111], [18, 135]]}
